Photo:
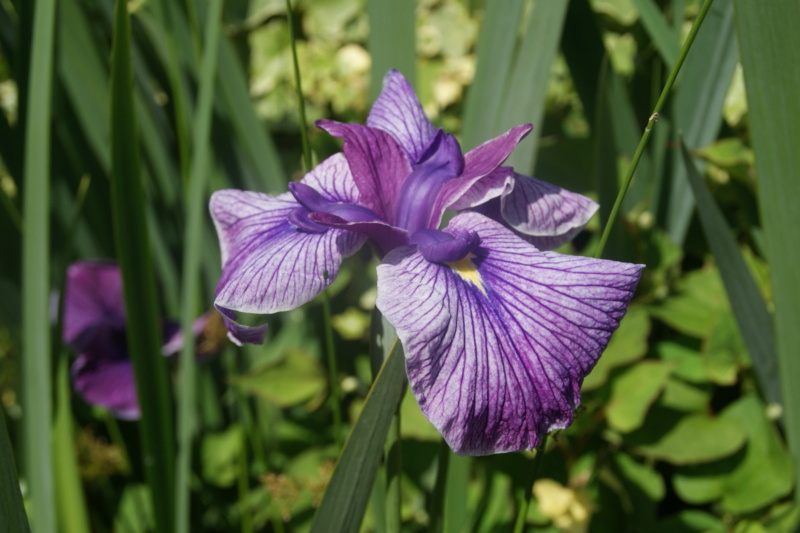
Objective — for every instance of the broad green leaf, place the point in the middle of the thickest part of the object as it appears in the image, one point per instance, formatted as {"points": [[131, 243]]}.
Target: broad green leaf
{"points": [[219, 455], [35, 360], [769, 44], [746, 301], [724, 352], [692, 439], [633, 392], [749, 480], [691, 521], [697, 304], [646, 478], [684, 397], [628, 344], [748, 526], [141, 304], [391, 41], [348, 492], [766, 472], [296, 379], [689, 364]]}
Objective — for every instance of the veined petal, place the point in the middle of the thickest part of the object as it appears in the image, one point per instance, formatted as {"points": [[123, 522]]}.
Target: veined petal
{"points": [[498, 343], [385, 236], [107, 382], [548, 216], [397, 111], [479, 163], [377, 164], [92, 299], [269, 264], [494, 185]]}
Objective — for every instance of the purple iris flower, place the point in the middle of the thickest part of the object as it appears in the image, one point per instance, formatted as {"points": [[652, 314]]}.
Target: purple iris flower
{"points": [[498, 333], [94, 325]]}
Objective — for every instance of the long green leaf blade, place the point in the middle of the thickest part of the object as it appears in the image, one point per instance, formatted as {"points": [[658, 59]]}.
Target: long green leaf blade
{"points": [[37, 382], [11, 507], [746, 301], [133, 250], [770, 47], [190, 289], [349, 490], [391, 41]]}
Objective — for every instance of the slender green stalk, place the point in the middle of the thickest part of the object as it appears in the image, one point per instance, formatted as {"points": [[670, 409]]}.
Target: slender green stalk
{"points": [[36, 367], [133, 251], [301, 106], [198, 183], [394, 475], [242, 485], [333, 370], [525, 500], [330, 346], [651, 122]]}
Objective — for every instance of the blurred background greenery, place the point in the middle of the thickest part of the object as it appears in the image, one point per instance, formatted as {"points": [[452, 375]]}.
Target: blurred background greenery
{"points": [[685, 426]]}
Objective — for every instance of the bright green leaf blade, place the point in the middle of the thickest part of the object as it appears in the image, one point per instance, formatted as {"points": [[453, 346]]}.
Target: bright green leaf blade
{"points": [[662, 35], [349, 490], [697, 106], [770, 48], [692, 439], [35, 360], [11, 507], [628, 344], [130, 228], [526, 92], [190, 289], [391, 42], [495, 50], [747, 304], [633, 392]]}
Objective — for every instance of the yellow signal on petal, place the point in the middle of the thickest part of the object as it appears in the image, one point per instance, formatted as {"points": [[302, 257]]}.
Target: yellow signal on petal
{"points": [[465, 268]]}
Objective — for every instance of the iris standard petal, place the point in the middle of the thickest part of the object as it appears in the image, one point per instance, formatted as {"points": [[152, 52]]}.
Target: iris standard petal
{"points": [[479, 163], [498, 343], [377, 164], [92, 298], [397, 111], [269, 264], [106, 382], [548, 216]]}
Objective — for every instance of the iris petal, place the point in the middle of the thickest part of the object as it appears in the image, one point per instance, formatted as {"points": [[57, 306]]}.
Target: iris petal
{"points": [[92, 299], [397, 111], [270, 265], [497, 345], [107, 382]]}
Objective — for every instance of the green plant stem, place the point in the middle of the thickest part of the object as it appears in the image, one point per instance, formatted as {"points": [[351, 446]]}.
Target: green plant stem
{"points": [[333, 371], [242, 486], [36, 364], [301, 107], [190, 290], [626, 182], [525, 500]]}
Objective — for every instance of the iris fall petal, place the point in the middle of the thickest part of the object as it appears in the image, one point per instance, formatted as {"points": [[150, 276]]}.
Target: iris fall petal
{"points": [[498, 343]]}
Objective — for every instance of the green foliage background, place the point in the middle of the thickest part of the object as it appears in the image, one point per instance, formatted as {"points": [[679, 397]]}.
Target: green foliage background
{"points": [[689, 422]]}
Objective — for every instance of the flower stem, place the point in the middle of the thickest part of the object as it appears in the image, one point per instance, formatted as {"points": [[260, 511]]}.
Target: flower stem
{"points": [[333, 371], [650, 123], [394, 471], [299, 89], [525, 499]]}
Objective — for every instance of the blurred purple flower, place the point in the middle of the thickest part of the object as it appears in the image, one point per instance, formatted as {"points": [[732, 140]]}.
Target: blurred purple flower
{"points": [[498, 334], [94, 325]]}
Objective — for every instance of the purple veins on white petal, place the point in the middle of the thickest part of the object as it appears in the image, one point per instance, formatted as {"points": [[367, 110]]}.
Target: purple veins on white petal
{"points": [[397, 111], [498, 343], [550, 216]]}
